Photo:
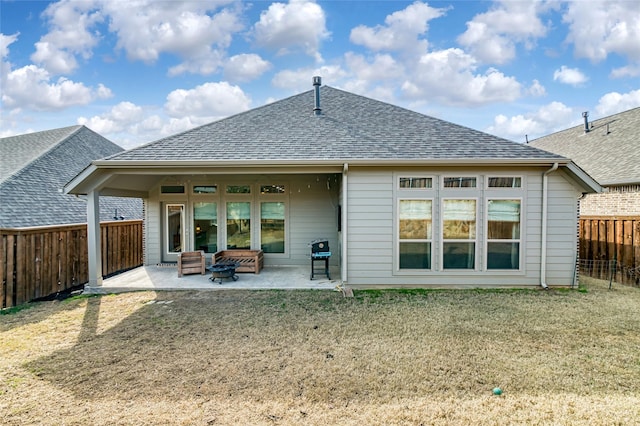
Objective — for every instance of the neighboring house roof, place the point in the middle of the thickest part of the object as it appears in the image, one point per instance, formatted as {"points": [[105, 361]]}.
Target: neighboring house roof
{"points": [[18, 151], [609, 151], [351, 129], [34, 168]]}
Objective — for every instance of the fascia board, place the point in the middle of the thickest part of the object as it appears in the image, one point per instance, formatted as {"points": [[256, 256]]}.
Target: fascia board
{"points": [[583, 177], [126, 164]]}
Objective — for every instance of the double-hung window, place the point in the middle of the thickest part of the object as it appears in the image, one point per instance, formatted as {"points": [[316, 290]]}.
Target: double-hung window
{"points": [[503, 233], [459, 233], [415, 234], [415, 222]]}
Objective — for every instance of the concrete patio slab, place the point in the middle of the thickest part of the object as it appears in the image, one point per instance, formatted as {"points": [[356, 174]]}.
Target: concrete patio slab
{"points": [[165, 277]]}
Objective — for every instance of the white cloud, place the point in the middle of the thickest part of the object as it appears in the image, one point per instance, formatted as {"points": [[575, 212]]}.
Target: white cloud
{"points": [[70, 35], [626, 71], [206, 102], [382, 67], [449, 76], [402, 30], [549, 118], [189, 29], [118, 119], [245, 67], [492, 36], [600, 28], [197, 32], [298, 24], [571, 76], [5, 42], [31, 87], [537, 89], [615, 102], [301, 79]]}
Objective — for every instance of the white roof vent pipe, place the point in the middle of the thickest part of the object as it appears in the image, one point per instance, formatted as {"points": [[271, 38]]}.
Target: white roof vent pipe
{"points": [[317, 82]]}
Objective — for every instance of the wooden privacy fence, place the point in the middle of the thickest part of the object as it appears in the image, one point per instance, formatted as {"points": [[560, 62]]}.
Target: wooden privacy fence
{"points": [[610, 248], [41, 261]]}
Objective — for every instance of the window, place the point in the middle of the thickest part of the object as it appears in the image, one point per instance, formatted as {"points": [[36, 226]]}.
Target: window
{"points": [[238, 189], [415, 234], [504, 182], [172, 189], [272, 189], [205, 189], [458, 234], [503, 234], [174, 221], [459, 182], [239, 225], [272, 219], [415, 183], [205, 224]]}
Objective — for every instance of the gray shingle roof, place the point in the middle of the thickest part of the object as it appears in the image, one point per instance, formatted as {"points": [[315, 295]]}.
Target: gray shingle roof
{"points": [[351, 127], [609, 152], [18, 151], [31, 194]]}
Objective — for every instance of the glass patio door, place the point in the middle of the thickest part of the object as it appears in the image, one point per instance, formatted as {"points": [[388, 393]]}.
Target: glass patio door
{"points": [[238, 225], [174, 231], [205, 222]]}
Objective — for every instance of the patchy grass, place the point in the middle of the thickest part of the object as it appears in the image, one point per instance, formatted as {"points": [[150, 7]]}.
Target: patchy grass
{"points": [[309, 357]]}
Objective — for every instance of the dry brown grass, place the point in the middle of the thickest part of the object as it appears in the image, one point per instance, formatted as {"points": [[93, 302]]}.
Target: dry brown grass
{"points": [[304, 357]]}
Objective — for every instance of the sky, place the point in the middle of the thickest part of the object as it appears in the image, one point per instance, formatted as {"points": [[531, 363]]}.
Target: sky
{"points": [[135, 71]]}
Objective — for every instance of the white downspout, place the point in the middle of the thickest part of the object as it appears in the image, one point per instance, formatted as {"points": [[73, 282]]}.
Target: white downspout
{"points": [[543, 249], [343, 272]]}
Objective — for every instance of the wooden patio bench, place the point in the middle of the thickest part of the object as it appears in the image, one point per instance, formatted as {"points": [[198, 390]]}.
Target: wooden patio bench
{"points": [[247, 260], [191, 262]]}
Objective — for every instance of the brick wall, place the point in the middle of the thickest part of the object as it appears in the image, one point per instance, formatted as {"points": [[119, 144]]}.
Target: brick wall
{"points": [[617, 201]]}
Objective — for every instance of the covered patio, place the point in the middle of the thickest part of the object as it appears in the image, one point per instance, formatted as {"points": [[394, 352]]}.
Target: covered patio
{"points": [[165, 277]]}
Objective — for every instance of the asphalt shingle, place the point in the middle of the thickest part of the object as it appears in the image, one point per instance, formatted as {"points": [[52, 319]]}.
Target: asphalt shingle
{"points": [[609, 152], [351, 127], [30, 195]]}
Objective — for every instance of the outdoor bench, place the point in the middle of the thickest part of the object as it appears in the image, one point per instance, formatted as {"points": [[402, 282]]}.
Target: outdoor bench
{"points": [[247, 260], [191, 262]]}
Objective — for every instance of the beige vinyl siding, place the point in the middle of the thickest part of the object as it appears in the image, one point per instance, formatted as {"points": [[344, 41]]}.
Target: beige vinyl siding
{"points": [[372, 242], [370, 226], [153, 231], [532, 226], [562, 236], [313, 214]]}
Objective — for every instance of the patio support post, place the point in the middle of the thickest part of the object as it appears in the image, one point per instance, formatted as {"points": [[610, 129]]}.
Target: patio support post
{"points": [[344, 219], [93, 239]]}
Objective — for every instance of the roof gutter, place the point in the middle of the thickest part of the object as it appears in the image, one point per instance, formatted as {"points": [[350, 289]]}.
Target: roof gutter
{"points": [[543, 249], [122, 164]]}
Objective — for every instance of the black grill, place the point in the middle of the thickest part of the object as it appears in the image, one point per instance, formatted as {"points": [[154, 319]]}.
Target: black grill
{"points": [[320, 252]]}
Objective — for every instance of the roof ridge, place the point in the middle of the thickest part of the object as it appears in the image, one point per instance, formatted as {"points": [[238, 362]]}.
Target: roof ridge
{"points": [[581, 125], [72, 131]]}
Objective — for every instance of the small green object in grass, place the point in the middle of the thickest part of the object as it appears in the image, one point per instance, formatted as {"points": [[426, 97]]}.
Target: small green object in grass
{"points": [[497, 391]]}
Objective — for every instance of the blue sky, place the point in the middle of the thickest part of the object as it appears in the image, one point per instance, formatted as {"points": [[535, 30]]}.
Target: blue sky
{"points": [[138, 71]]}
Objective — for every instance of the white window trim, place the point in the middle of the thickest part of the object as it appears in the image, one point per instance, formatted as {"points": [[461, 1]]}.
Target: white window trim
{"points": [[442, 239], [183, 233], [417, 176], [458, 188], [274, 198], [397, 234], [502, 188], [487, 240]]}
